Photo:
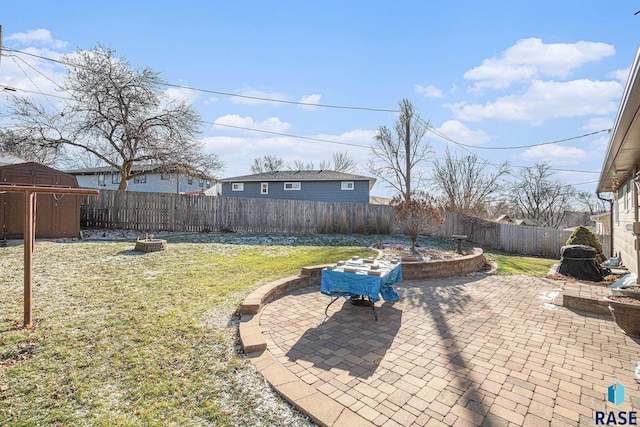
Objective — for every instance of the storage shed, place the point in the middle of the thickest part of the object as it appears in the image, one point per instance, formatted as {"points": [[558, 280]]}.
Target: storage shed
{"points": [[57, 215]]}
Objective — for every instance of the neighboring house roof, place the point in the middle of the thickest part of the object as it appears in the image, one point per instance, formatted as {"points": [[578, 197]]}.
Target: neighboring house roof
{"points": [[105, 169], [528, 222], [623, 151], [301, 175], [505, 219], [377, 200]]}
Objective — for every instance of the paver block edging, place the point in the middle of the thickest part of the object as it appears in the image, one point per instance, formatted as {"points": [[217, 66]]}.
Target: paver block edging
{"points": [[459, 266], [323, 410]]}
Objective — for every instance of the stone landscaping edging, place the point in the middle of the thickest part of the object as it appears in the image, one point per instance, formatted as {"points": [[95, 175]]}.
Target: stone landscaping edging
{"points": [[439, 269]]}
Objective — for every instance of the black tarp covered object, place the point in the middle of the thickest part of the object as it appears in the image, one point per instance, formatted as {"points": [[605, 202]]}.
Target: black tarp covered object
{"points": [[579, 261]]}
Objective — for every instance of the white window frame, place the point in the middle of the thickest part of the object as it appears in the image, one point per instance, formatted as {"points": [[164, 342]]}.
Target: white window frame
{"points": [[237, 186], [264, 188], [627, 193], [102, 180], [347, 185], [115, 178], [140, 179], [293, 186]]}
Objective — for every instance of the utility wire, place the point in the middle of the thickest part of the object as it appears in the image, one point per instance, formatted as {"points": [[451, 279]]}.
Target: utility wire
{"points": [[290, 135], [255, 98]]}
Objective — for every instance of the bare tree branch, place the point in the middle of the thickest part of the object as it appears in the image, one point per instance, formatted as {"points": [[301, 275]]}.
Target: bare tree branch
{"points": [[465, 185], [120, 116], [395, 158]]}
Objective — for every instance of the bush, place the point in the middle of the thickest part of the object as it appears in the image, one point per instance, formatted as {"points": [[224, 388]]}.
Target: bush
{"points": [[417, 215], [584, 236]]}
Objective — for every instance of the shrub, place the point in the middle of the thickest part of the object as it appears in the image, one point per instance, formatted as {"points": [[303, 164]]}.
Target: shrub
{"points": [[583, 236], [417, 215]]}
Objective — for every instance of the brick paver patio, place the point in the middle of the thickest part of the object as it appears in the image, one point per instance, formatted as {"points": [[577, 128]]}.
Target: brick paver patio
{"points": [[480, 350]]}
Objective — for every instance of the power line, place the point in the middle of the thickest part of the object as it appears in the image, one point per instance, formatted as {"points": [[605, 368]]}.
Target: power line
{"points": [[530, 145], [215, 92], [289, 135]]}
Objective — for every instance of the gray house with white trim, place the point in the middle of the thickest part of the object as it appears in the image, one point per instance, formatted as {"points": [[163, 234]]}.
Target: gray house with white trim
{"points": [[107, 178], [313, 185]]}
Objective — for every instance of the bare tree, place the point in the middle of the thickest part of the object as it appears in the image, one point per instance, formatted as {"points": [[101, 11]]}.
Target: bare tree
{"points": [[267, 163], [589, 202], [23, 146], [119, 115], [465, 184], [339, 162], [415, 215], [396, 155], [536, 196], [299, 165]]}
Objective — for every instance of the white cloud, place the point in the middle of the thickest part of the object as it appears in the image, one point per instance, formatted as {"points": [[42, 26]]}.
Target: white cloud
{"points": [[545, 100], [459, 132], [556, 154], [621, 75], [598, 123], [39, 37], [531, 59], [429, 91], [357, 136], [272, 124], [256, 97], [310, 99]]}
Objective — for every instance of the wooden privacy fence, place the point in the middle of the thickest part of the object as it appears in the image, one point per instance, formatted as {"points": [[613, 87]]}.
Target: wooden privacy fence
{"points": [[523, 240], [179, 212]]}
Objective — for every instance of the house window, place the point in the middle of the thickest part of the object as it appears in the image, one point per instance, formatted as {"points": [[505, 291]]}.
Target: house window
{"points": [[626, 197], [346, 185], [264, 188], [208, 184], [201, 183], [141, 179], [101, 180], [164, 176], [190, 181], [237, 186], [289, 186], [115, 178]]}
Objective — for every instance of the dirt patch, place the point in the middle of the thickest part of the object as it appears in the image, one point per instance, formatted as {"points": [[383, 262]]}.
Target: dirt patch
{"points": [[395, 251]]}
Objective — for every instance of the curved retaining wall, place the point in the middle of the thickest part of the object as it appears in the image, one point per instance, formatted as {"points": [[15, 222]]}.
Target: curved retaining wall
{"points": [[459, 266]]}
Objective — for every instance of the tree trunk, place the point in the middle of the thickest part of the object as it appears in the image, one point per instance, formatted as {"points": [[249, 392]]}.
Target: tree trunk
{"points": [[124, 183]]}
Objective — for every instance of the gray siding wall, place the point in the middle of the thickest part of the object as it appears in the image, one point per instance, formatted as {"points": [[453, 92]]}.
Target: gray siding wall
{"points": [[319, 191], [154, 183]]}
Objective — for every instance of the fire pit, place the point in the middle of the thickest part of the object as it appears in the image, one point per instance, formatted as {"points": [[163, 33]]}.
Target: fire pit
{"points": [[147, 243]]}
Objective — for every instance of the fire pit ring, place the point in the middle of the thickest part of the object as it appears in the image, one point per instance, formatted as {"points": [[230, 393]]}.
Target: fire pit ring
{"points": [[148, 244]]}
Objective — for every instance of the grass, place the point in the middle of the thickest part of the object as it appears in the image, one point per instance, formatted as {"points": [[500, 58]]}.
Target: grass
{"points": [[516, 264], [127, 339]]}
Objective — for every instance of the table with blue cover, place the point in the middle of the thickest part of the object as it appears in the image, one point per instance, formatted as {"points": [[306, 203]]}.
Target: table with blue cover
{"points": [[339, 283]]}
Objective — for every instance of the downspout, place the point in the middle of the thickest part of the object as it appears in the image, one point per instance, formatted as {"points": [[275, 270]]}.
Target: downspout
{"points": [[636, 216], [610, 222]]}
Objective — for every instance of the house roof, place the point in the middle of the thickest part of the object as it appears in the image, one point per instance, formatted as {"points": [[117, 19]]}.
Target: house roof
{"points": [[623, 151], [504, 218], [105, 169], [300, 175]]}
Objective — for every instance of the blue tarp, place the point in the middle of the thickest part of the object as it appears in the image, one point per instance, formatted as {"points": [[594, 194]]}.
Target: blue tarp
{"points": [[339, 283]]}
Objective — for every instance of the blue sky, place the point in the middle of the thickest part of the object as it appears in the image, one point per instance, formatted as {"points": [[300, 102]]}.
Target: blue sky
{"points": [[484, 73]]}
